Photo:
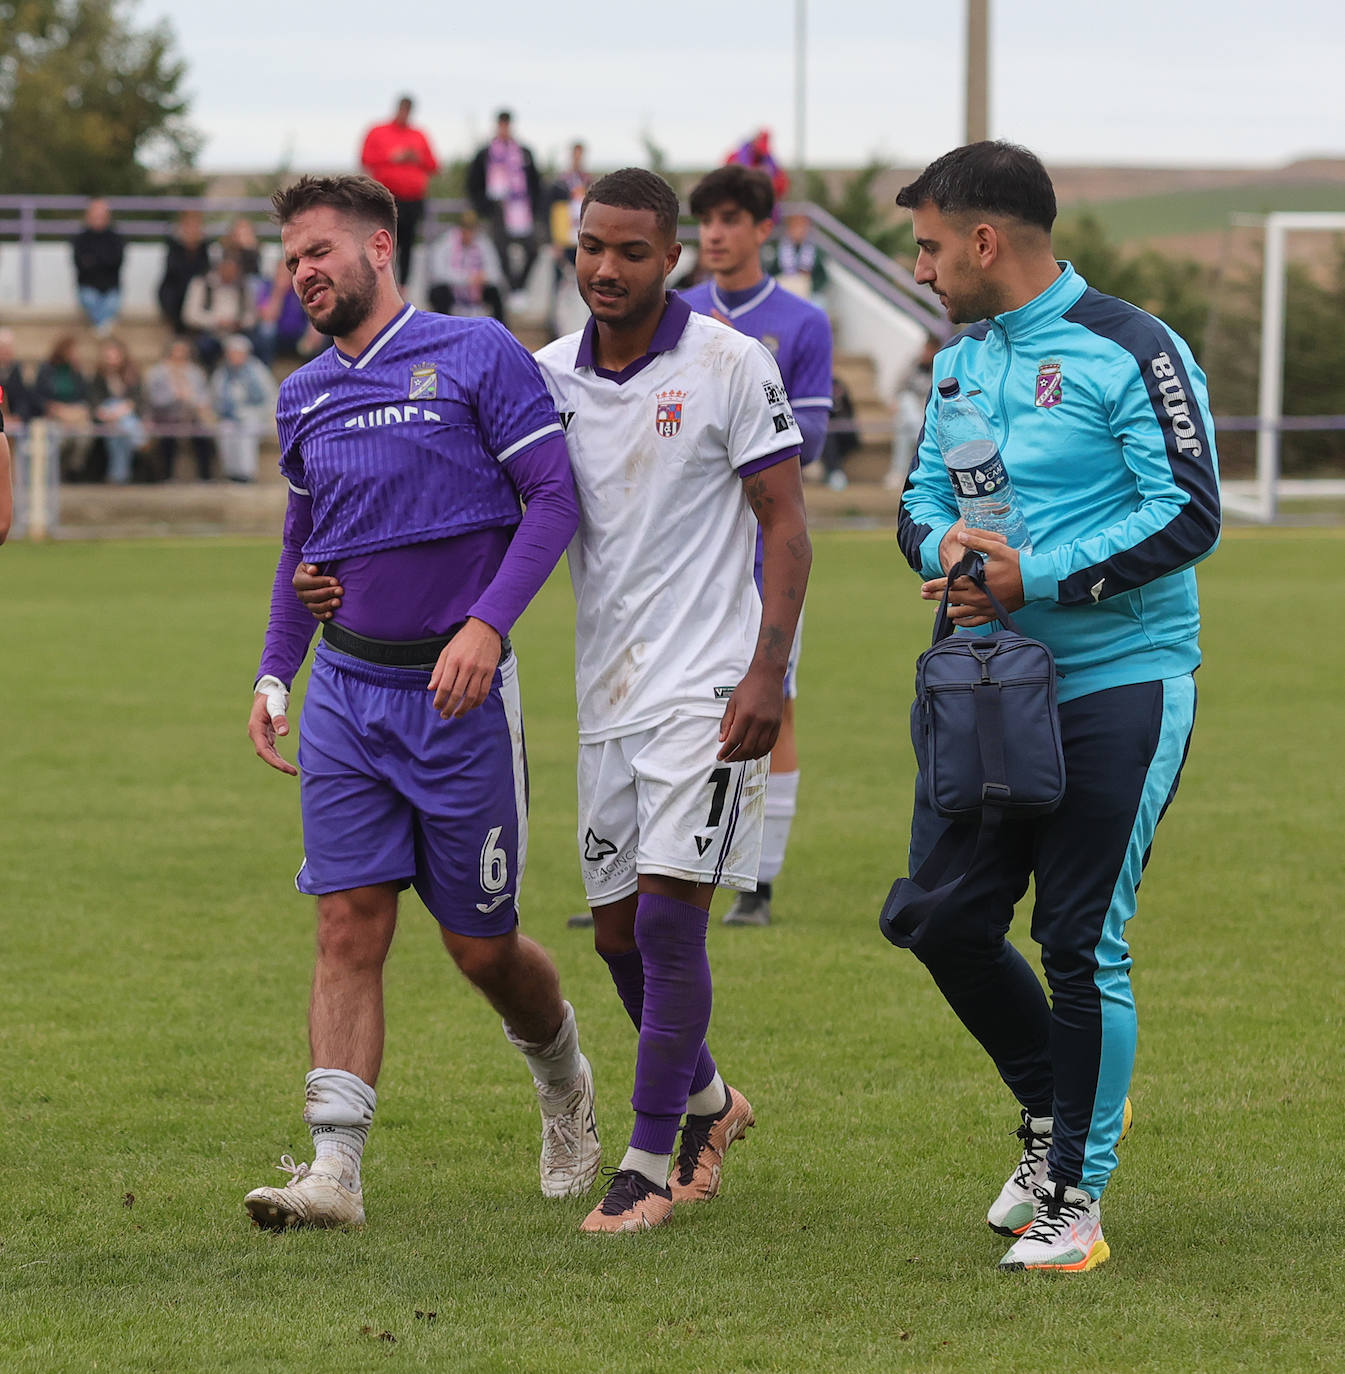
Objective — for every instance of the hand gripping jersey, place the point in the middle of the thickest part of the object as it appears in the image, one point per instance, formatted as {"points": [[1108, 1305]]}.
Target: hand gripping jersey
{"points": [[406, 442], [1103, 422], [668, 613]]}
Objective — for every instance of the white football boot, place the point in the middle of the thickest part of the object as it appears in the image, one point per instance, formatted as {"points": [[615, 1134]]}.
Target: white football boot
{"points": [[1065, 1237], [570, 1150], [312, 1197]]}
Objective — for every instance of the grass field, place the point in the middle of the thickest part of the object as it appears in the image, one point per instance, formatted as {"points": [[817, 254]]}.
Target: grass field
{"points": [[1206, 210], [155, 962]]}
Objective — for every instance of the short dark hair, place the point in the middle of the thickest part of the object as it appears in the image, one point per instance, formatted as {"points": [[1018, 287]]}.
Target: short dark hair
{"points": [[633, 188], [989, 177], [355, 195], [748, 188]]}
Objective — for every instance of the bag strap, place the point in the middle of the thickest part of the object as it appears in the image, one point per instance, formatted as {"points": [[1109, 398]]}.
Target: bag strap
{"points": [[911, 903], [972, 565]]}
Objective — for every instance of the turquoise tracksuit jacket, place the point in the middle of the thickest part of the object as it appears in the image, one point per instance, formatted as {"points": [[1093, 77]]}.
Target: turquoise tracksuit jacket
{"points": [[1103, 421]]}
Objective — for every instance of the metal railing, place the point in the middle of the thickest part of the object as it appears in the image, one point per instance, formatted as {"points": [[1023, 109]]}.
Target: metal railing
{"points": [[26, 221], [882, 274]]}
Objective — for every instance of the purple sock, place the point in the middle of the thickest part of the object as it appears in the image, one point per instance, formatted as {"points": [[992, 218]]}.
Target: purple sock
{"points": [[674, 1017], [627, 972]]}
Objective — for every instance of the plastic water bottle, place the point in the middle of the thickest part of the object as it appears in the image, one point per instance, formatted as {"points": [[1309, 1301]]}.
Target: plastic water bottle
{"points": [[981, 482]]}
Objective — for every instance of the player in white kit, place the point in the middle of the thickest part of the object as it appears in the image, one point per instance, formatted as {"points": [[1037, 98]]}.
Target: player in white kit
{"points": [[680, 434]]}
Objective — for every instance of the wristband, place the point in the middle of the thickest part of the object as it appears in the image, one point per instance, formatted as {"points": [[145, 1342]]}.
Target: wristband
{"points": [[276, 693]]}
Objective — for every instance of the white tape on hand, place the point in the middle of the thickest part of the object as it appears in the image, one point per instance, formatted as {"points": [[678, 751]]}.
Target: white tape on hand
{"points": [[277, 695]]}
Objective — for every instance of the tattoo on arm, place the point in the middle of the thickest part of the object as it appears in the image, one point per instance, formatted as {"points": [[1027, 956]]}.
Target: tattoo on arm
{"points": [[758, 496], [774, 644], [800, 545]]}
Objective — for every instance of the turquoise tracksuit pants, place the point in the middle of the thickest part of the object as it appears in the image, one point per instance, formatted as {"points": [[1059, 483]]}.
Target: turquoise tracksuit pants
{"points": [[1070, 1056]]}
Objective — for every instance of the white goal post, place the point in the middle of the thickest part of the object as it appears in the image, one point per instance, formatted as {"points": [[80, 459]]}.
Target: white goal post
{"points": [[1259, 499]]}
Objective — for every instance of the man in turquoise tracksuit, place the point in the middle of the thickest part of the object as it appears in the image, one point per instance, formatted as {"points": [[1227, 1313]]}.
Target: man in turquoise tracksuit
{"points": [[1103, 422]]}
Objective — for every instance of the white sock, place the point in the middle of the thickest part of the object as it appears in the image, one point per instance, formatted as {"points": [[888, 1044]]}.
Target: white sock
{"points": [[343, 1147], [711, 1100], [556, 1063], [339, 1109], [655, 1168], [782, 794]]}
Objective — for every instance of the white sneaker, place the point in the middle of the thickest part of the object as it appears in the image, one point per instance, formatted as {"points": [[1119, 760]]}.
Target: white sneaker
{"points": [[1066, 1235], [312, 1197], [570, 1150], [1012, 1211]]}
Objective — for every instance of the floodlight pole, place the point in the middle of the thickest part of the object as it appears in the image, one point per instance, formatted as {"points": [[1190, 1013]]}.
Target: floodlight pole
{"points": [[978, 70], [800, 92]]}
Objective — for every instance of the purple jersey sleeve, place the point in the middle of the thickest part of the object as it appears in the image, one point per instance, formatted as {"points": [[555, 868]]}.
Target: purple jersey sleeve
{"points": [[513, 407], [289, 629], [541, 473], [812, 422]]}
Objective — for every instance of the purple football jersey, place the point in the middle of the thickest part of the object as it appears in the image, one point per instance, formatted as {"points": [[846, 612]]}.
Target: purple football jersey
{"points": [[797, 332], [406, 442]]}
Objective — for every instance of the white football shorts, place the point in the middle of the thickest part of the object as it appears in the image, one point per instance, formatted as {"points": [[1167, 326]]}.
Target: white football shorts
{"points": [[659, 801]]}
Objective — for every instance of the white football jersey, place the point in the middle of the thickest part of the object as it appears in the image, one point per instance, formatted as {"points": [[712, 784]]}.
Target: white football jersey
{"points": [[667, 612]]}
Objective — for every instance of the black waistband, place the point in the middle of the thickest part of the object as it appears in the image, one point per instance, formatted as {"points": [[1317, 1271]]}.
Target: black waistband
{"points": [[395, 653]]}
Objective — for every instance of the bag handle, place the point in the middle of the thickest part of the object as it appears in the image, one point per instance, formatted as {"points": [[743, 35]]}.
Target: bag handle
{"points": [[971, 565]]}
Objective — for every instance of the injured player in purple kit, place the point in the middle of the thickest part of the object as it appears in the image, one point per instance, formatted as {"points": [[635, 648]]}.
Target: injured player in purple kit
{"points": [[409, 446]]}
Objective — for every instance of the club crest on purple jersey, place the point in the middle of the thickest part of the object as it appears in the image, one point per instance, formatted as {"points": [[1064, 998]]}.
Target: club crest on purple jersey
{"points": [[1048, 384], [424, 382], [668, 416]]}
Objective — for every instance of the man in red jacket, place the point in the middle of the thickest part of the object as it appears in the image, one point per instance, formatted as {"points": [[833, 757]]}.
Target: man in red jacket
{"points": [[401, 159]]}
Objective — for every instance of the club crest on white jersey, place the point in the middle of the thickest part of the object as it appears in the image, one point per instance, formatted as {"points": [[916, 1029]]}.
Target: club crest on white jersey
{"points": [[668, 412]]}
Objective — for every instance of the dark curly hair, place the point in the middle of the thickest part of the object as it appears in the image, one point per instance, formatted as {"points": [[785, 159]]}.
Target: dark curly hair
{"points": [[633, 188]]}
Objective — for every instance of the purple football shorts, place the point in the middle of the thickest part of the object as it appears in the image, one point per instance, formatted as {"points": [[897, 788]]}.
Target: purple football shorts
{"points": [[392, 793]]}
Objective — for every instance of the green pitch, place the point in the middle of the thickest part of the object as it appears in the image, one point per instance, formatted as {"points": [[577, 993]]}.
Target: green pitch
{"points": [[155, 960]]}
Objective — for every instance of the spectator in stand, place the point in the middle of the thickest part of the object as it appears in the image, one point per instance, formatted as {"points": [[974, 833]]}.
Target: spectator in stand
{"points": [[756, 152], [188, 257], [115, 397], [61, 393], [98, 250], [464, 271], [908, 418], [797, 263], [6, 481], [177, 398], [18, 402], [218, 304], [567, 200], [842, 439], [506, 191], [241, 244], [400, 158], [244, 392]]}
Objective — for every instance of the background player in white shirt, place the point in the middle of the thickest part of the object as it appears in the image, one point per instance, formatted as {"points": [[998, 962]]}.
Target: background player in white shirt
{"points": [[679, 432]]}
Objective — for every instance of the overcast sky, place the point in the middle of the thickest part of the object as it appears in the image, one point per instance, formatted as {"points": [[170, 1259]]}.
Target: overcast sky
{"points": [[1150, 82]]}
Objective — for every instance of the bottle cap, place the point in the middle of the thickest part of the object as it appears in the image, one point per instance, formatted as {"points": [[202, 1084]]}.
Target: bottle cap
{"points": [[949, 387]]}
